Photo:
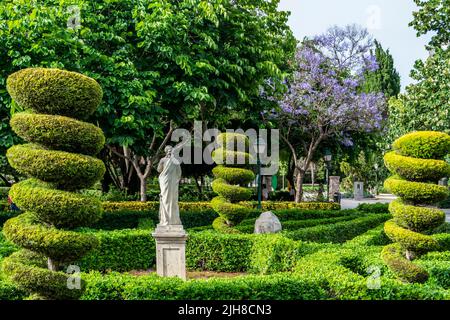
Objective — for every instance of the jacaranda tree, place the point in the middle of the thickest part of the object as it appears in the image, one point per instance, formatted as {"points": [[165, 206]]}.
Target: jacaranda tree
{"points": [[323, 103]]}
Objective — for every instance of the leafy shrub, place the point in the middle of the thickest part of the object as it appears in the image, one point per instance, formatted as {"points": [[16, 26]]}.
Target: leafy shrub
{"points": [[61, 133], [416, 192], [338, 232], [200, 206], [231, 181], [373, 207], [273, 253], [296, 224], [68, 171], [417, 219], [51, 205], [120, 250], [116, 286], [5, 215], [272, 205], [40, 89], [423, 145], [60, 245], [52, 212], [218, 252], [8, 291], [418, 156], [129, 219], [416, 169]]}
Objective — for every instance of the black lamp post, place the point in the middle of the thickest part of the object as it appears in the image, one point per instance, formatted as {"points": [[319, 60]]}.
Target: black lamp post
{"points": [[259, 146], [327, 157]]}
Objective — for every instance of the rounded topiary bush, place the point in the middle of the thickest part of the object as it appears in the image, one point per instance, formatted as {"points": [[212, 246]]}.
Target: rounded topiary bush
{"points": [[55, 92], [59, 160], [417, 164], [232, 177]]}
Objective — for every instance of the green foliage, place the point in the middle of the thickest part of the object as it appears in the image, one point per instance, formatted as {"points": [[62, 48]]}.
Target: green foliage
{"points": [[59, 133], [117, 286], [427, 98], [411, 160], [415, 169], [233, 175], [55, 92], [373, 207], [51, 205], [129, 219], [120, 250], [417, 219], [416, 192], [404, 269], [67, 170], [232, 193], [423, 145], [218, 251], [386, 78], [231, 183], [10, 292], [60, 245], [46, 228], [155, 60], [51, 284], [338, 232], [274, 253]]}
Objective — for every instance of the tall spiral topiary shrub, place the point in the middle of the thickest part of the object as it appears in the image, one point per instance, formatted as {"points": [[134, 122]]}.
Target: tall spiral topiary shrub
{"points": [[232, 177], [417, 164], [59, 159]]}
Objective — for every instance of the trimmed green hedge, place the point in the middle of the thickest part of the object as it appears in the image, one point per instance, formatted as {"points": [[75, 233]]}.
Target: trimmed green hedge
{"points": [[373, 207], [416, 192], [338, 232], [120, 250], [130, 219], [60, 245], [69, 171], [59, 132], [200, 206], [415, 169], [52, 206], [423, 144], [116, 286], [54, 91]]}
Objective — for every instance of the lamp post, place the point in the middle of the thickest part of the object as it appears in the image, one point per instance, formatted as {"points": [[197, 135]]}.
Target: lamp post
{"points": [[259, 147], [327, 157]]}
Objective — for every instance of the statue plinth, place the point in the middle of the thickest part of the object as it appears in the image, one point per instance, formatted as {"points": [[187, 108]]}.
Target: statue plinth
{"points": [[170, 250]]}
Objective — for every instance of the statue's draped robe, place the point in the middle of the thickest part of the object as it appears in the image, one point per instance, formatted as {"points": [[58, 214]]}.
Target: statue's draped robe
{"points": [[169, 213]]}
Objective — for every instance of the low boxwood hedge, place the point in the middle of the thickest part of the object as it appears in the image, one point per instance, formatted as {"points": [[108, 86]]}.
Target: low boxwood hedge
{"points": [[115, 286], [338, 232], [199, 206]]}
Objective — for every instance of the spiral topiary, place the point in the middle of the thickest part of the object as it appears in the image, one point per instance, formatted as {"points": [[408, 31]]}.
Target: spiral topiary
{"points": [[232, 177], [417, 164], [59, 158]]}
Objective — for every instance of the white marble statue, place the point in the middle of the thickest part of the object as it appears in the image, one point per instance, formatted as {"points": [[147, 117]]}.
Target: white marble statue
{"points": [[169, 178]]}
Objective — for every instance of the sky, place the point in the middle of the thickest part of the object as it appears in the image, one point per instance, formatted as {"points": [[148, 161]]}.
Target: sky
{"points": [[386, 20]]}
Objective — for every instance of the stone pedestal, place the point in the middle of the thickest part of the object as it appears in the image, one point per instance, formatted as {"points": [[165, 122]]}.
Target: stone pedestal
{"points": [[170, 251], [334, 186], [358, 190]]}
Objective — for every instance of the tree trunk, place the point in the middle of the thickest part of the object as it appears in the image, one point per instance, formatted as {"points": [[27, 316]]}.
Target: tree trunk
{"points": [[143, 188], [52, 265], [313, 174], [299, 185]]}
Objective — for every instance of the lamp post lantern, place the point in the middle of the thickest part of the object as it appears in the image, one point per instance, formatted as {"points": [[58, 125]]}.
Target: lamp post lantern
{"points": [[259, 147], [327, 157]]}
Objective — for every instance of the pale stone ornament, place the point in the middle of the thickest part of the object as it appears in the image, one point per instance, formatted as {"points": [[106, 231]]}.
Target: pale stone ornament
{"points": [[267, 223]]}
